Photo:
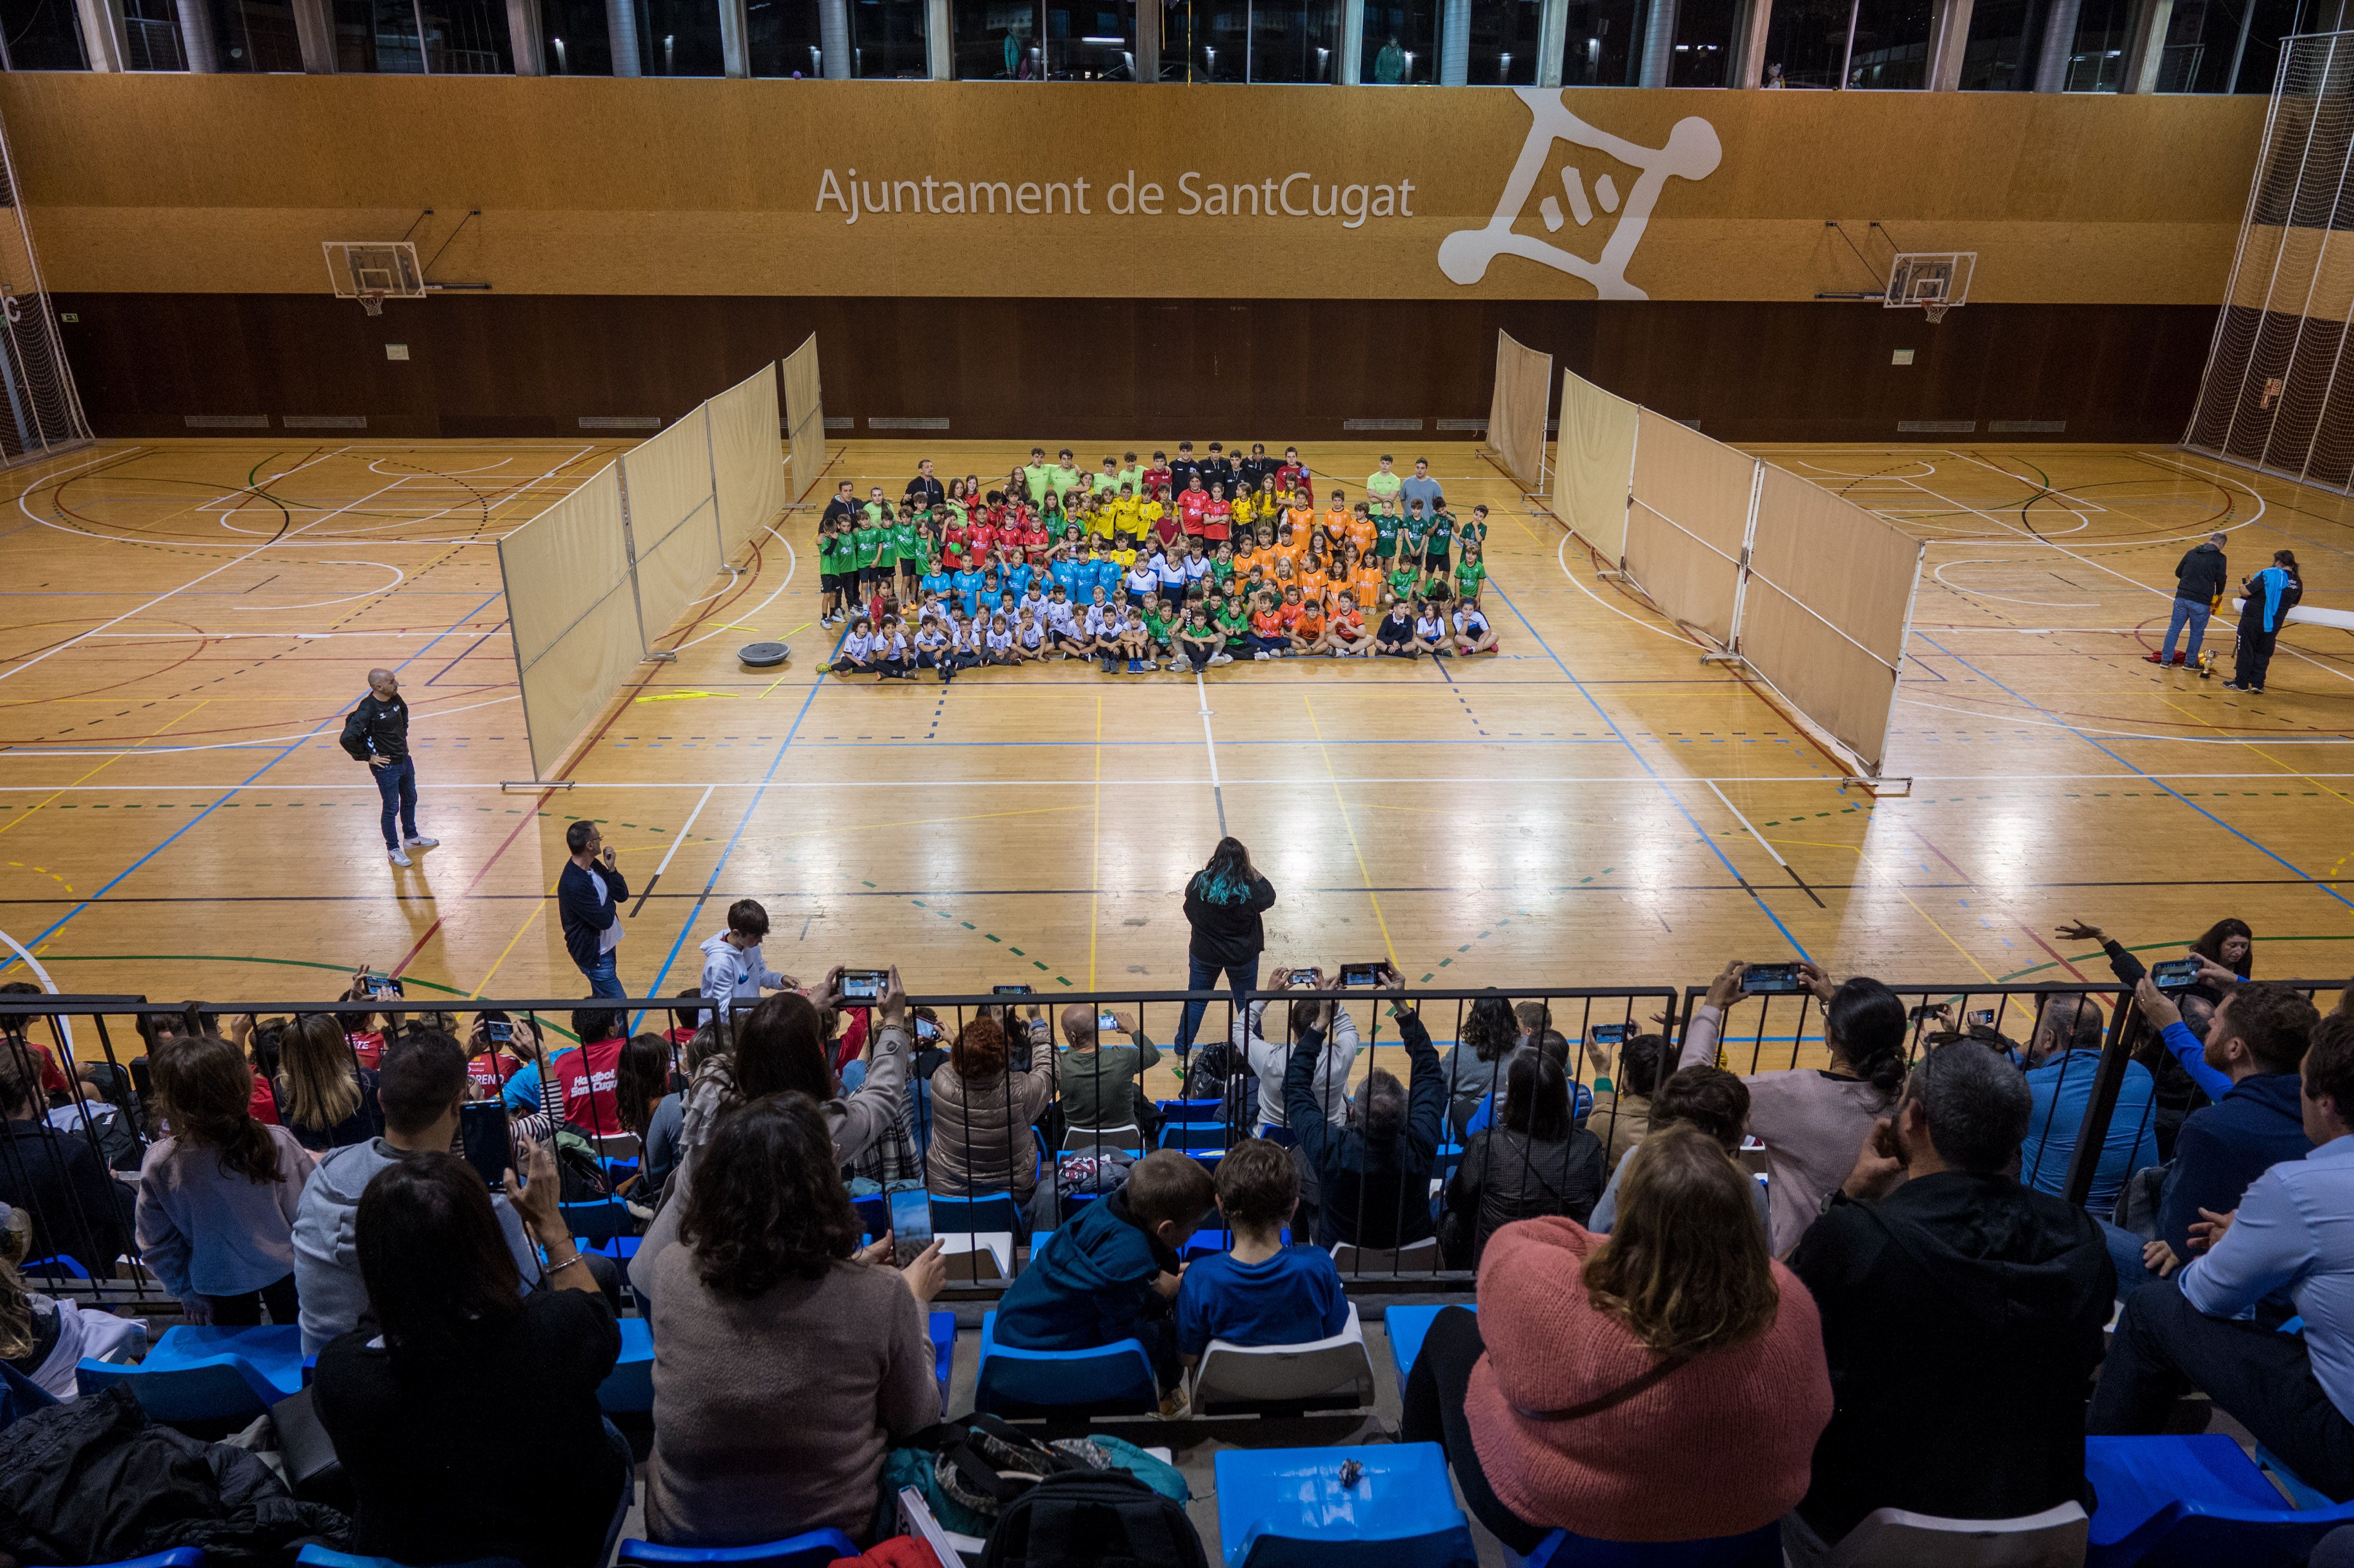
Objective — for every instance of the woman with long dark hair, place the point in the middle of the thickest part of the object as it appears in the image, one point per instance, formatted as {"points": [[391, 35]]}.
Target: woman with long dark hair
{"points": [[216, 1198], [1812, 1121], [769, 1304], [1588, 1390], [464, 1407], [1223, 903], [1537, 1162], [1488, 1031]]}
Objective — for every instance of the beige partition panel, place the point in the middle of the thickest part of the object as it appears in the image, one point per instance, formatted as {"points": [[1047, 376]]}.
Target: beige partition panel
{"points": [[747, 459], [804, 417], [1830, 597], [1519, 409], [673, 521], [568, 607], [1594, 464], [1687, 524]]}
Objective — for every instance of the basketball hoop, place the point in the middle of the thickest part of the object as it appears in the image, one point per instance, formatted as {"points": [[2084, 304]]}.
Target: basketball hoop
{"points": [[371, 302], [1934, 310]]}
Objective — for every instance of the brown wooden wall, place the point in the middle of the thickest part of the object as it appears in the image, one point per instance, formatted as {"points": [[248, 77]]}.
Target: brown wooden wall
{"points": [[1107, 369]]}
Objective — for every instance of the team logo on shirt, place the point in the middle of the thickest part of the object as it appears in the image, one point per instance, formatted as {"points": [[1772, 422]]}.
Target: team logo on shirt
{"points": [[1693, 153]]}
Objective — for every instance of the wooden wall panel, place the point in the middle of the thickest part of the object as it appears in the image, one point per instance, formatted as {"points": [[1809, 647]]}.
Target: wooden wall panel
{"points": [[1131, 370]]}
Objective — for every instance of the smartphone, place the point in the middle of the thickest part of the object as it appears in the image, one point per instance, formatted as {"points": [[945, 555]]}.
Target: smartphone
{"points": [[498, 1033], [1106, 1023], [383, 988], [1984, 1015], [1926, 1010], [927, 1030], [1301, 980], [2175, 974], [864, 985], [1610, 1033], [1772, 979], [483, 1133], [1009, 991], [1360, 975], [911, 1225]]}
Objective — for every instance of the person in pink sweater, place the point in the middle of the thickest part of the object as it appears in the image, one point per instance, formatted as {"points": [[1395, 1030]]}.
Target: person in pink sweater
{"points": [[1595, 1388]]}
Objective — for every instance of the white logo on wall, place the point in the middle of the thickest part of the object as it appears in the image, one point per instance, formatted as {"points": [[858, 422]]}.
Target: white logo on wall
{"points": [[1692, 153]]}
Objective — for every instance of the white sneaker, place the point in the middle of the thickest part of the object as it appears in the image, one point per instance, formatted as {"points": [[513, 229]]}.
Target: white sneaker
{"points": [[418, 841], [1222, 658], [1258, 655], [398, 857]]}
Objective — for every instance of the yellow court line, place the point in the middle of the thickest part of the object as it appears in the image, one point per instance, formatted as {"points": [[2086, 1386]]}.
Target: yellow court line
{"points": [[780, 680], [1094, 843], [1325, 752], [528, 921], [103, 766], [2259, 752]]}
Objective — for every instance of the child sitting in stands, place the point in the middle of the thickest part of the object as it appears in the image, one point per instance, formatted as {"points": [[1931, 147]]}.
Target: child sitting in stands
{"points": [[1262, 1292], [1110, 1272]]}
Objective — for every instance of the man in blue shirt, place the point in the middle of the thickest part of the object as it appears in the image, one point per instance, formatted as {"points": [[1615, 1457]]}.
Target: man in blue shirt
{"points": [[2293, 1233], [2063, 1058], [2271, 595], [2253, 1044]]}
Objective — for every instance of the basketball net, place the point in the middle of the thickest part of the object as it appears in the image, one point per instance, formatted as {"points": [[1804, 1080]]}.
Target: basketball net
{"points": [[1934, 309], [371, 302]]}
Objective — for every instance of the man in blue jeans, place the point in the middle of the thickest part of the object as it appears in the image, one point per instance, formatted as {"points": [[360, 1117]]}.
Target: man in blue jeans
{"points": [[588, 895], [2199, 577], [376, 733]]}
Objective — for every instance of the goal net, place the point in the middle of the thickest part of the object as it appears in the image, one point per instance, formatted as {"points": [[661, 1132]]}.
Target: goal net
{"points": [[40, 411], [2278, 392]]}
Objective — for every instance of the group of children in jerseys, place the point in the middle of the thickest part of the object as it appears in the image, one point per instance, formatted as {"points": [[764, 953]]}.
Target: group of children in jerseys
{"points": [[1184, 564]]}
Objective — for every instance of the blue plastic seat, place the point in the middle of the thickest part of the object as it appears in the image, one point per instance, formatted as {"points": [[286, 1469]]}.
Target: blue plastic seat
{"points": [[178, 1557], [1202, 1242], [1193, 1136], [60, 1267], [600, 1219], [629, 1388], [2186, 1502], [206, 1374], [316, 1556], [807, 1550], [1406, 1327], [988, 1212], [1114, 1379], [943, 1328], [1286, 1508], [1760, 1548]]}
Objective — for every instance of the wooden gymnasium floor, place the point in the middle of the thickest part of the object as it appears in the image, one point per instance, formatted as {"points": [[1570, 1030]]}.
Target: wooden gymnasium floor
{"points": [[183, 624]]}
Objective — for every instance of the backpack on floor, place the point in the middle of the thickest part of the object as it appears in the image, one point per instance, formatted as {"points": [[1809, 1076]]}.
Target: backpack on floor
{"points": [[1088, 1518]]}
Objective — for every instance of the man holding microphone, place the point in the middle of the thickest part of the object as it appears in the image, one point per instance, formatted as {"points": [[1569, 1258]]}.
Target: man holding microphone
{"points": [[376, 733]]}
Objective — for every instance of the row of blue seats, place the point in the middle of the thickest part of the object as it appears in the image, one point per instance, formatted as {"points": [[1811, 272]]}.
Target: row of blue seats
{"points": [[2164, 1502], [206, 1374]]}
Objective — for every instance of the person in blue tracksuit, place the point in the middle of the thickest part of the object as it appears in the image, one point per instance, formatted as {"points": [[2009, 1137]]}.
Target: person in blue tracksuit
{"points": [[2272, 593]]}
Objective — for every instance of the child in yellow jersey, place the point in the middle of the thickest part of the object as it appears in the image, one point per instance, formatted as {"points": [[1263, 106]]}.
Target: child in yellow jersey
{"points": [[1125, 555], [1115, 516], [1148, 512]]}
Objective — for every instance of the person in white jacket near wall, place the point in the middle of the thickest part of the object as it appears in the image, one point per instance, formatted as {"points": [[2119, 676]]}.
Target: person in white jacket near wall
{"points": [[734, 972], [1268, 1058]]}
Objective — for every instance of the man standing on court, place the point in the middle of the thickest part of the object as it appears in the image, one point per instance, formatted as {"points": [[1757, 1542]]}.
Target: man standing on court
{"points": [[843, 508], [376, 733], [1384, 483], [923, 491], [2198, 579], [1420, 486], [589, 895]]}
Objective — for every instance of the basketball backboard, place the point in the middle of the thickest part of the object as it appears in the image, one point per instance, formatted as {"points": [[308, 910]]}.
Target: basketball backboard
{"points": [[1931, 281], [374, 271]]}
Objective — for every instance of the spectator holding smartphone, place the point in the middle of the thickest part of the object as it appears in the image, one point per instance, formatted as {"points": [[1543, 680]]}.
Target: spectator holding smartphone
{"points": [[1812, 1121]]}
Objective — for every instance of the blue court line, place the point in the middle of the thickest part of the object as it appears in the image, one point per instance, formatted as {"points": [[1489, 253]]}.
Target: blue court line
{"points": [[2030, 701], [1633, 751], [687, 925], [34, 944]]}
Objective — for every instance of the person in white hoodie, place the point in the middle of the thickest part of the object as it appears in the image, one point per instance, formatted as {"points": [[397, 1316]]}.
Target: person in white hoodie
{"points": [[734, 972]]}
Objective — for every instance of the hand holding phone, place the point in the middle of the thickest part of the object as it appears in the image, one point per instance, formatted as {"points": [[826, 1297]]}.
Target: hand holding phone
{"points": [[1356, 977], [857, 986], [2175, 974], [1772, 979], [483, 1134]]}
